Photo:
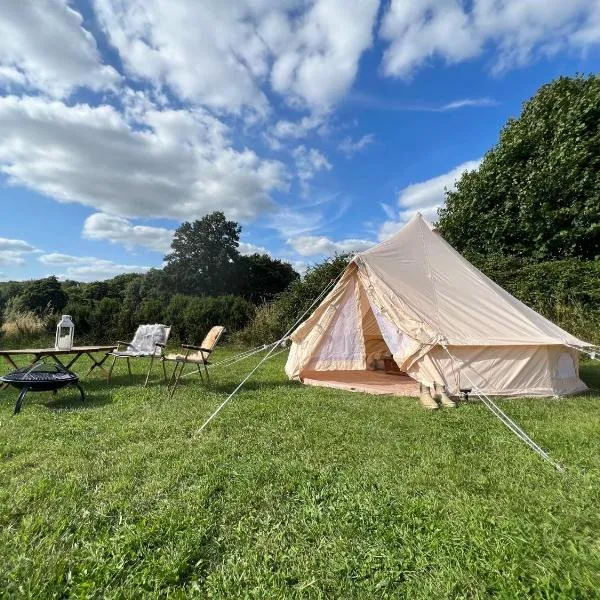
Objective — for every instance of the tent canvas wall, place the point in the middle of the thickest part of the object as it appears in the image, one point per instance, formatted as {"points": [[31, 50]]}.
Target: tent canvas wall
{"points": [[441, 319]]}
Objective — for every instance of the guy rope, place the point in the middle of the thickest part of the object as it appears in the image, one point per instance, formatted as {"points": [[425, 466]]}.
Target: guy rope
{"points": [[505, 419], [280, 342]]}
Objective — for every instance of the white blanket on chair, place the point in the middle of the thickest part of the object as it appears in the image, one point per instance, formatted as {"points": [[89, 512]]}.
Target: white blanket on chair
{"points": [[145, 340]]}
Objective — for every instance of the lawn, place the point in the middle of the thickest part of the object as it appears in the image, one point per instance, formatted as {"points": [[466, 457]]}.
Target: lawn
{"points": [[295, 492]]}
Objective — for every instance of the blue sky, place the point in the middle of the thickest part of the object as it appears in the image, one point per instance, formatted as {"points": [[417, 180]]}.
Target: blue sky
{"points": [[320, 125]]}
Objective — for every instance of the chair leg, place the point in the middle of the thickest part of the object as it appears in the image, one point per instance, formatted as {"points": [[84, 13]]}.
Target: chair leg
{"points": [[200, 372], [149, 371], [129, 369], [110, 370], [164, 370], [206, 370], [176, 383], [172, 377]]}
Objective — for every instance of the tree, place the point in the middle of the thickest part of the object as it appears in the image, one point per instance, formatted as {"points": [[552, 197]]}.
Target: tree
{"points": [[536, 195], [203, 256], [43, 294], [262, 277]]}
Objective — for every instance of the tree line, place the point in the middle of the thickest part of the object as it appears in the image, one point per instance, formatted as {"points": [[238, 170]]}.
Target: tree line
{"points": [[205, 280]]}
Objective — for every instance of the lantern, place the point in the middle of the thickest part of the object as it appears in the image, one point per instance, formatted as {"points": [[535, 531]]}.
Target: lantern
{"points": [[64, 333]]}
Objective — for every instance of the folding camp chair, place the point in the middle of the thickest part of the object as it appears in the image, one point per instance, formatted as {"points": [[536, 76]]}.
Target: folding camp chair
{"points": [[149, 341], [193, 355]]}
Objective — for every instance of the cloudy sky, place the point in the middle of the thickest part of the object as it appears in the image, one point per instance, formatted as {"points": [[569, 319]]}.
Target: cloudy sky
{"points": [[320, 125]]}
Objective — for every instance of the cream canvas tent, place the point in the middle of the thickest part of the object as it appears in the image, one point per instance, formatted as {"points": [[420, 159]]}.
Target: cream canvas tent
{"points": [[440, 318]]}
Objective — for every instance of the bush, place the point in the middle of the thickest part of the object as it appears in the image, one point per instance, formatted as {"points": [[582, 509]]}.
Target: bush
{"points": [[104, 322], [202, 313], [273, 320], [175, 316], [151, 310], [266, 327]]}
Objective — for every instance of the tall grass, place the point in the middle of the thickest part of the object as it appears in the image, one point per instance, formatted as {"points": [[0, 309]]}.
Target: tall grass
{"points": [[24, 327]]}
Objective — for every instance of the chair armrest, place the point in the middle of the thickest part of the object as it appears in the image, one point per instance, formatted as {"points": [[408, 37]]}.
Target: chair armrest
{"points": [[160, 345], [122, 343], [190, 347]]}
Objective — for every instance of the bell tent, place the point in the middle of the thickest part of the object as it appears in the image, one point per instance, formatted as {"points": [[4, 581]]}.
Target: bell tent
{"points": [[417, 302]]}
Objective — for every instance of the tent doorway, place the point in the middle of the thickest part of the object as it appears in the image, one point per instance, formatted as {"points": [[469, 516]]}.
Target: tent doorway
{"points": [[375, 371]]}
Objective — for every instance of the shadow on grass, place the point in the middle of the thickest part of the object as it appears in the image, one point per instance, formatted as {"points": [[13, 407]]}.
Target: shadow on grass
{"points": [[68, 398]]}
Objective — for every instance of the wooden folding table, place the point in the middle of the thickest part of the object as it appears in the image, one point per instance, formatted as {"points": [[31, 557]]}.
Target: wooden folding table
{"points": [[76, 352]]}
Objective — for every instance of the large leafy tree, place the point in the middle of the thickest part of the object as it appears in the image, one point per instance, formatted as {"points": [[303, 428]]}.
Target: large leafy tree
{"points": [[536, 195], [43, 294], [203, 256], [262, 277]]}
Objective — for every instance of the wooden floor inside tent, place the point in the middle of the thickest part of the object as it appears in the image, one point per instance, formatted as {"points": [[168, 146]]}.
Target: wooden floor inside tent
{"points": [[371, 382]]}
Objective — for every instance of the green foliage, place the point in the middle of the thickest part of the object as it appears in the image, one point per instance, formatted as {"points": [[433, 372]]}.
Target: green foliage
{"points": [[151, 310], [273, 320], [42, 295], [201, 314], [536, 195], [205, 262], [175, 316], [293, 492], [203, 255], [260, 277]]}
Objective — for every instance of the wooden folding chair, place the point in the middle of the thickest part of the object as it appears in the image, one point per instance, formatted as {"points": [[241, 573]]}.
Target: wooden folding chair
{"points": [[193, 355]]}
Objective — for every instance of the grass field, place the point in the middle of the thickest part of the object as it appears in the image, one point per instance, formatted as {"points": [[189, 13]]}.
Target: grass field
{"points": [[295, 492]]}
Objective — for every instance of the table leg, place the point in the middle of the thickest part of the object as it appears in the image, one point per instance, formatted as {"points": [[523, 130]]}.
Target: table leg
{"points": [[10, 361], [68, 367], [97, 364], [56, 360]]}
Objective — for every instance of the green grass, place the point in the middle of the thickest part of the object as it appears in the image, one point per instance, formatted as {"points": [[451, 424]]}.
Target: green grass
{"points": [[294, 492]]}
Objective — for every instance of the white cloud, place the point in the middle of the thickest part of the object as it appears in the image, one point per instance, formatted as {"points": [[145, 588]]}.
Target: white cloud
{"points": [[299, 129], [312, 245], [307, 51], [424, 197], [420, 30], [87, 268], [44, 46], [309, 161], [247, 248], [316, 59], [468, 102], [13, 252], [101, 226], [299, 266], [15, 245], [118, 230], [174, 163], [350, 147]]}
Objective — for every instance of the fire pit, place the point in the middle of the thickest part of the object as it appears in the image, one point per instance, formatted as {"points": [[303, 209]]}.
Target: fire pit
{"points": [[41, 377]]}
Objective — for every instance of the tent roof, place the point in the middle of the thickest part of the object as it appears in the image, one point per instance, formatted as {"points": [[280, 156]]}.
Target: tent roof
{"points": [[448, 294]]}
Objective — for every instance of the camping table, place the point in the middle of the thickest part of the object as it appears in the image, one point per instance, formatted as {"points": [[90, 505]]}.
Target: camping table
{"points": [[53, 353]]}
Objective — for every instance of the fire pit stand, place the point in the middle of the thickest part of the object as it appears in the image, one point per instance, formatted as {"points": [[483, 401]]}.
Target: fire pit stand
{"points": [[41, 377]]}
